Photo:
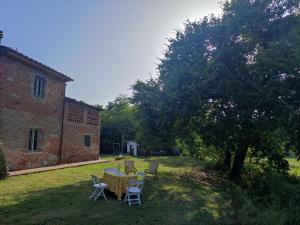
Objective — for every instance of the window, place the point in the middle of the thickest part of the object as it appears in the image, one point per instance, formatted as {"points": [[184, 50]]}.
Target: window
{"points": [[39, 87], [34, 135], [87, 140]]}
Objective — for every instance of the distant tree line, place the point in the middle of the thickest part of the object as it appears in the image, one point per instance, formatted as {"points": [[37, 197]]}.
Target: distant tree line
{"points": [[117, 124]]}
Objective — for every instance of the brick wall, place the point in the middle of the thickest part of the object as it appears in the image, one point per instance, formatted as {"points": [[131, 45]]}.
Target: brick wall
{"points": [[80, 120], [20, 111]]}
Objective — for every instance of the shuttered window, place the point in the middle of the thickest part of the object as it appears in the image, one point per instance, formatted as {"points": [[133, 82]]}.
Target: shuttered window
{"points": [[33, 142], [87, 140], [39, 87]]}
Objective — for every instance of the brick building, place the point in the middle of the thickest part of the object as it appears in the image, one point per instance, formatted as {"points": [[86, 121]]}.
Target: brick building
{"points": [[39, 126]]}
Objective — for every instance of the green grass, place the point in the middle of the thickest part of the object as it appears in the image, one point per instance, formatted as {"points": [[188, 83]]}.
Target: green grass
{"points": [[294, 166], [61, 197]]}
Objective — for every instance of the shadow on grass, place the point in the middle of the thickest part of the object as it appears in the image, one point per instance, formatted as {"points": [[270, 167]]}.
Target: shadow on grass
{"points": [[169, 200]]}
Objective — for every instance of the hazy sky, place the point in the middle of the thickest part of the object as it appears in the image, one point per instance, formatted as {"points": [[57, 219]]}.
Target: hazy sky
{"points": [[104, 45]]}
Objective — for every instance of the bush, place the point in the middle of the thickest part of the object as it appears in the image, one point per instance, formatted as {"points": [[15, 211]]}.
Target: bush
{"points": [[267, 197], [3, 169]]}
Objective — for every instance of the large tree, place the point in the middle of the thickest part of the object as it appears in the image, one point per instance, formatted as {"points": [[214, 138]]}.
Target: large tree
{"points": [[235, 79], [118, 122], [154, 116]]}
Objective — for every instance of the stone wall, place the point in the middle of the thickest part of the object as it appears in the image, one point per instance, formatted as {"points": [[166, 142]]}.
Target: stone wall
{"points": [[21, 111], [80, 119]]}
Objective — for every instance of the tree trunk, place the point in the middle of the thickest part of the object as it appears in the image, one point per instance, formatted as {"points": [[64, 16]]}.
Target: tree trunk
{"points": [[238, 164], [123, 132], [227, 160]]}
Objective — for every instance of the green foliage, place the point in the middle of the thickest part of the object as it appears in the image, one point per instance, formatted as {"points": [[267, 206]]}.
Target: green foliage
{"points": [[118, 122], [154, 116], [3, 168], [233, 80], [194, 146], [268, 197]]}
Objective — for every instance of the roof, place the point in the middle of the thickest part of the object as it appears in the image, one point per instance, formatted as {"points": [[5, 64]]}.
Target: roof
{"points": [[14, 54], [72, 100]]}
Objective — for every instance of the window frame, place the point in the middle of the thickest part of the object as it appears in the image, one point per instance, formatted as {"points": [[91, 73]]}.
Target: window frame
{"points": [[39, 87], [34, 136]]}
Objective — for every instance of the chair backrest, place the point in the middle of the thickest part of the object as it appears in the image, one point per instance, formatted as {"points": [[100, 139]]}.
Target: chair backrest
{"points": [[136, 183], [133, 183], [153, 166], [96, 180], [129, 166], [141, 175]]}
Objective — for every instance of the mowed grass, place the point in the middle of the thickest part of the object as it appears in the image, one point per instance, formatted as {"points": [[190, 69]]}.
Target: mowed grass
{"points": [[62, 197], [294, 166]]}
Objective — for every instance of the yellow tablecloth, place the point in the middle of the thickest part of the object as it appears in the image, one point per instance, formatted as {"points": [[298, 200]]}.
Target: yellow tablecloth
{"points": [[117, 183]]}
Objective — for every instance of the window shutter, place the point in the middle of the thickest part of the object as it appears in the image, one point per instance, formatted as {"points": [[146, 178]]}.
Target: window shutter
{"points": [[30, 140], [87, 140], [35, 139], [34, 86], [44, 88]]}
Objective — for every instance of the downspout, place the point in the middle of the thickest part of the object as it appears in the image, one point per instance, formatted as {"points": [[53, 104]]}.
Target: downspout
{"points": [[62, 127]]}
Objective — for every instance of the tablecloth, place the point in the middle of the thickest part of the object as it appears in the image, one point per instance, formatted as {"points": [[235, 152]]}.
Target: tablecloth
{"points": [[117, 182]]}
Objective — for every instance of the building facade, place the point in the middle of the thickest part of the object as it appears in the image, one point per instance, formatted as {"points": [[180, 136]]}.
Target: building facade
{"points": [[39, 126]]}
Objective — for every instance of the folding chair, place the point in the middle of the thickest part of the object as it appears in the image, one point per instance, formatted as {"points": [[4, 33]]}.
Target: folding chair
{"points": [[133, 193], [99, 188], [141, 179], [129, 167], [152, 169]]}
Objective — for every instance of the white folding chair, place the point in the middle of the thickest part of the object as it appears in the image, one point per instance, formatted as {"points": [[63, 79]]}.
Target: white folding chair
{"points": [[141, 181], [99, 188], [133, 193]]}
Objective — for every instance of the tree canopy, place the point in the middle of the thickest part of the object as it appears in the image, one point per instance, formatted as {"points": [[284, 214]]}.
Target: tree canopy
{"points": [[233, 80], [118, 122]]}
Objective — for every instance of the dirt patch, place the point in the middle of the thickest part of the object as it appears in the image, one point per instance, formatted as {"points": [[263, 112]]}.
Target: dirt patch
{"points": [[208, 177]]}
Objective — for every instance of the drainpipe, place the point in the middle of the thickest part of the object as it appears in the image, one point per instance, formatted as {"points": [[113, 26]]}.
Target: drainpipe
{"points": [[62, 128]]}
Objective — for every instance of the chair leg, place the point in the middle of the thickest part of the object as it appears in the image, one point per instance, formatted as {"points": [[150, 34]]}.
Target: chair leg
{"points": [[142, 189], [129, 201], [102, 191], [93, 194], [97, 194], [139, 197]]}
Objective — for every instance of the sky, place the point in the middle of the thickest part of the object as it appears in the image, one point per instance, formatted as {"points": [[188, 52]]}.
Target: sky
{"points": [[104, 45]]}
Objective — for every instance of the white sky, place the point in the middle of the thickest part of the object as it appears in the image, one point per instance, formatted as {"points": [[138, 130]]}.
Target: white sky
{"points": [[105, 46]]}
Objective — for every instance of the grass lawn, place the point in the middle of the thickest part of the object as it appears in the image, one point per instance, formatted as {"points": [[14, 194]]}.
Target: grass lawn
{"points": [[177, 197], [61, 197], [294, 166]]}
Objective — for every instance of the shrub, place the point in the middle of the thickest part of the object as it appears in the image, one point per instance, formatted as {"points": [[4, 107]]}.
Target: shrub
{"points": [[3, 169], [267, 197]]}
